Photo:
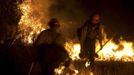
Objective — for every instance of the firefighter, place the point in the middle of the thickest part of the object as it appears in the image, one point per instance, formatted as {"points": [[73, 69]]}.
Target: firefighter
{"points": [[50, 48], [88, 34]]}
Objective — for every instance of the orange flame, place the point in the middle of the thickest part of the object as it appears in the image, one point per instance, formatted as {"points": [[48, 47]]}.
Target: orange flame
{"points": [[115, 52], [29, 26], [73, 50], [118, 52]]}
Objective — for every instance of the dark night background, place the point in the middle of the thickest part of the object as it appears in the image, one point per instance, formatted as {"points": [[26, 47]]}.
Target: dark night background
{"points": [[117, 16]]}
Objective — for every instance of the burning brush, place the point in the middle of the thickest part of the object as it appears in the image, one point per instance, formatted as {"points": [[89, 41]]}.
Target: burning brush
{"points": [[30, 26]]}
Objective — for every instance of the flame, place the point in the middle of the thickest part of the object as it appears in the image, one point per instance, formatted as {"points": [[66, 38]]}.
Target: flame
{"points": [[59, 70], [87, 64], [29, 25], [117, 52], [123, 51], [91, 73], [73, 50]]}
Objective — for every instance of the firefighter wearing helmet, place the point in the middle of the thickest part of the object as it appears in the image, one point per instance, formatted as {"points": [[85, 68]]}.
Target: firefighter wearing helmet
{"points": [[50, 48]]}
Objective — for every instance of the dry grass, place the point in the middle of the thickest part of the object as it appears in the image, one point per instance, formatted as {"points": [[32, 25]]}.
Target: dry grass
{"points": [[106, 68]]}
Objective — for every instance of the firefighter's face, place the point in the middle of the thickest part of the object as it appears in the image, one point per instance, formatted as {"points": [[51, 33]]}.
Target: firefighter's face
{"points": [[96, 19], [57, 24]]}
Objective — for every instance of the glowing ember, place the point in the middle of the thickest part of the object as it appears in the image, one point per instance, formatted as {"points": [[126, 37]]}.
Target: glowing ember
{"points": [[59, 70], [87, 64], [76, 71], [91, 73]]}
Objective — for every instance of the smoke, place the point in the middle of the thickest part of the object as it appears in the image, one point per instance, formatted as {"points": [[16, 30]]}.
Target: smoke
{"points": [[65, 11], [41, 10], [71, 14]]}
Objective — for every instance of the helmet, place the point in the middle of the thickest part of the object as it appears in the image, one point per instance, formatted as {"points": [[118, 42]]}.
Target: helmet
{"points": [[53, 23]]}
